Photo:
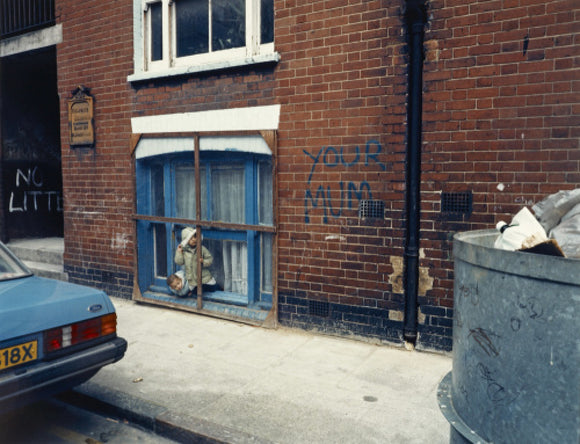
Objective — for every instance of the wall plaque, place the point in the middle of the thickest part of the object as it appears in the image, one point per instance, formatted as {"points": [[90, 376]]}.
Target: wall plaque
{"points": [[80, 118]]}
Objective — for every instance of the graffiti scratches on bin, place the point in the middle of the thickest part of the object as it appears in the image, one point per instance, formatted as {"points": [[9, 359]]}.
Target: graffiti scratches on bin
{"points": [[333, 202], [496, 392], [484, 339], [531, 306], [470, 292]]}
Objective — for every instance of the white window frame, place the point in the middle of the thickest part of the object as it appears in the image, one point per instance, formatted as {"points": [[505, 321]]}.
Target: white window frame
{"points": [[162, 64], [144, 68]]}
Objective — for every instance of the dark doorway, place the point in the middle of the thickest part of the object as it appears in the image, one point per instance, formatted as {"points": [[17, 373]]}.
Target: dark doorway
{"points": [[30, 152]]}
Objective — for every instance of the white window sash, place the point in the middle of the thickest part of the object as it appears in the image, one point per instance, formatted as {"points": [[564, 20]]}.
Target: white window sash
{"points": [[170, 64], [162, 64]]}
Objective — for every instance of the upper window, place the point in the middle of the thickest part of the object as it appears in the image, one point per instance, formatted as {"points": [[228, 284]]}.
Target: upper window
{"points": [[201, 35]]}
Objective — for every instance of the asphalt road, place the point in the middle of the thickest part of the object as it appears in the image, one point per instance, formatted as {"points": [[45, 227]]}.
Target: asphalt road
{"points": [[55, 422]]}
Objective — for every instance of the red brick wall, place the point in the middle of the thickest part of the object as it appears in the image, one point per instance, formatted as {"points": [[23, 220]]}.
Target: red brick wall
{"points": [[500, 114], [98, 182], [343, 96], [493, 114]]}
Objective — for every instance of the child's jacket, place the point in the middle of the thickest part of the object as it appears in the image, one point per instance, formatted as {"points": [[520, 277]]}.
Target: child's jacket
{"points": [[187, 257]]}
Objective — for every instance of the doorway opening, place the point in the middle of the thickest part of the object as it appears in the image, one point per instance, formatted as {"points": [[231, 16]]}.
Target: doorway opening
{"points": [[30, 162]]}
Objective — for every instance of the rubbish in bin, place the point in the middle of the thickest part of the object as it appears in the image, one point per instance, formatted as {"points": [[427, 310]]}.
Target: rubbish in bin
{"points": [[553, 208], [559, 214], [549, 248], [526, 234], [523, 232]]}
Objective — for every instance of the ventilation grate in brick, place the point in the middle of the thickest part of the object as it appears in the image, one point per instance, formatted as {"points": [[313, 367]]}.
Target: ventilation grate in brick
{"points": [[371, 209], [319, 308], [458, 203]]}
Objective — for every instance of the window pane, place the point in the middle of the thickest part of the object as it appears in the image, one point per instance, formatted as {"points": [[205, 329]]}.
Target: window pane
{"points": [[192, 27], [230, 264], [203, 182], [157, 194], [227, 193], [267, 21], [266, 272], [156, 31], [160, 254], [265, 185], [228, 24], [185, 192]]}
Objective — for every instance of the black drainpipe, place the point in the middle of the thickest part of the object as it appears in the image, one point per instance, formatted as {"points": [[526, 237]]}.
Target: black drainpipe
{"points": [[415, 20]]}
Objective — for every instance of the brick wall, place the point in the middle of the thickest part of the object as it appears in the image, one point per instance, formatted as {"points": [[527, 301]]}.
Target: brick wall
{"points": [[98, 182], [500, 100], [342, 133], [500, 120]]}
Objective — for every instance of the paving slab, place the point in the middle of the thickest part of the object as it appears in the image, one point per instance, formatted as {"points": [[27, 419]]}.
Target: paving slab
{"points": [[196, 378]]}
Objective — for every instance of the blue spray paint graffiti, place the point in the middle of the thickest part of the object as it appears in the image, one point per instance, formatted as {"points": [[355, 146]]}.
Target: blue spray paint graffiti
{"points": [[332, 158]]}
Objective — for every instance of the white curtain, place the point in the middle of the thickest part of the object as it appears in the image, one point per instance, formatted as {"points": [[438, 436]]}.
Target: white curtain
{"points": [[267, 248], [266, 216], [228, 193], [227, 205], [185, 192], [235, 255]]}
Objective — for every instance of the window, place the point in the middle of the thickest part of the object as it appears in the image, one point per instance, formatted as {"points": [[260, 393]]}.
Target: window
{"points": [[236, 192], [174, 36]]}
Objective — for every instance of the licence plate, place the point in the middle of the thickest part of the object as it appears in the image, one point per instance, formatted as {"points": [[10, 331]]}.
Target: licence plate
{"points": [[18, 354]]}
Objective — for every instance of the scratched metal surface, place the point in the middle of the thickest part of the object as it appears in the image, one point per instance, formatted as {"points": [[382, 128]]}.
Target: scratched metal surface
{"points": [[516, 352]]}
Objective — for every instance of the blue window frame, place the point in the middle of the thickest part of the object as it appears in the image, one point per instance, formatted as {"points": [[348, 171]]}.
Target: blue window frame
{"points": [[236, 202]]}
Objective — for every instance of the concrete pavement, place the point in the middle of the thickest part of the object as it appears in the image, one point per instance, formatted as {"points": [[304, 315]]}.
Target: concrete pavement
{"points": [[193, 378]]}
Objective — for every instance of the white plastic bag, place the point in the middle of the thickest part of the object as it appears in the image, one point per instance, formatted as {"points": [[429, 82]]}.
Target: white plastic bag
{"points": [[524, 231], [567, 233], [553, 208]]}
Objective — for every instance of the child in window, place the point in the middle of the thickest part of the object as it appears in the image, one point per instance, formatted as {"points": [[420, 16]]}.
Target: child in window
{"points": [[178, 284], [186, 256]]}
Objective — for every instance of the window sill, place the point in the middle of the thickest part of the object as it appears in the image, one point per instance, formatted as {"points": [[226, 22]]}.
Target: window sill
{"points": [[218, 66], [224, 297], [227, 311]]}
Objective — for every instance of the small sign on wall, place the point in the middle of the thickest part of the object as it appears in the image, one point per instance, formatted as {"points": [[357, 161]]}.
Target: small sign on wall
{"points": [[80, 118]]}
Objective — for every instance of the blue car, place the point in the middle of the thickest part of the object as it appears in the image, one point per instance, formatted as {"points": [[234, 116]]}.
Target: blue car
{"points": [[54, 335]]}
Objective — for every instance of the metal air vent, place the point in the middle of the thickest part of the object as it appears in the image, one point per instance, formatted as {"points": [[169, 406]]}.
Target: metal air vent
{"points": [[457, 203], [371, 209], [319, 308]]}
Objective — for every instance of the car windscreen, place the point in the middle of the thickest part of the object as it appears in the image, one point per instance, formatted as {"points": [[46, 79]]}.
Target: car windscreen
{"points": [[10, 268]]}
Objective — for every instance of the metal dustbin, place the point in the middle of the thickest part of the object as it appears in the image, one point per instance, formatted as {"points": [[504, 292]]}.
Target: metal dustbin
{"points": [[516, 348]]}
